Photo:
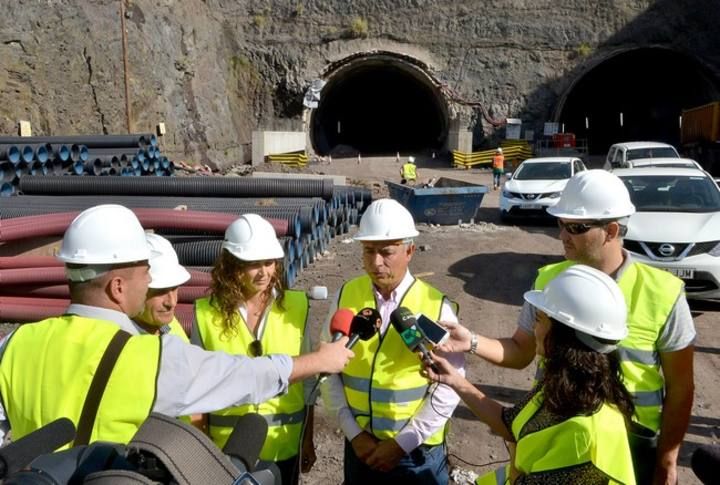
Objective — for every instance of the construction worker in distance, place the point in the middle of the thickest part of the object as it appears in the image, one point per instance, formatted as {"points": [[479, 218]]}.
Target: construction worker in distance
{"points": [[571, 427], [250, 312], [498, 167], [393, 419], [408, 172], [657, 355], [47, 368], [166, 276]]}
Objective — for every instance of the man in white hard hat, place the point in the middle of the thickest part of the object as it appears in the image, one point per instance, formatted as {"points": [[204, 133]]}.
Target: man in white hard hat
{"points": [[657, 355], [166, 276], [408, 172], [394, 433], [47, 368]]}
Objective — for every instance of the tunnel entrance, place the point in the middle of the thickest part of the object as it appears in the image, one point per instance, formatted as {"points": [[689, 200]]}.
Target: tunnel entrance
{"points": [[649, 86], [378, 105]]}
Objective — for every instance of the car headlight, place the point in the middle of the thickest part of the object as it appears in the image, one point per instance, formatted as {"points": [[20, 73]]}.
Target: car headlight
{"points": [[553, 195], [715, 251], [508, 195]]}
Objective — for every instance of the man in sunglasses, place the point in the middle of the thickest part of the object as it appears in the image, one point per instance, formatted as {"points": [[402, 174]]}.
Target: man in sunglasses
{"points": [[657, 355]]}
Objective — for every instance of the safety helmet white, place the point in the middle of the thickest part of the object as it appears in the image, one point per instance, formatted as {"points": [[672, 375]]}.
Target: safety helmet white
{"points": [[104, 235], [587, 300], [165, 269], [411, 159], [594, 194], [386, 220], [252, 238], [499, 150]]}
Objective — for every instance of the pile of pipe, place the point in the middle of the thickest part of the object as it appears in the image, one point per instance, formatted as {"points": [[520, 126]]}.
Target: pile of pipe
{"points": [[136, 154], [192, 212]]}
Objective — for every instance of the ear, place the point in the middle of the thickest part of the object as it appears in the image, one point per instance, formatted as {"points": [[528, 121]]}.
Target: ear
{"points": [[613, 231], [116, 288], [410, 250]]}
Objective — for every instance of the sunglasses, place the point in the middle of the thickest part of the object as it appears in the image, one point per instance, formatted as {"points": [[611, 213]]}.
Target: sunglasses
{"points": [[576, 228], [255, 349]]}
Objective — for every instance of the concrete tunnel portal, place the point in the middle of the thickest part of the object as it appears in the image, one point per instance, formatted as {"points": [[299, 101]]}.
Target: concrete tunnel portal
{"points": [[649, 86], [379, 104]]}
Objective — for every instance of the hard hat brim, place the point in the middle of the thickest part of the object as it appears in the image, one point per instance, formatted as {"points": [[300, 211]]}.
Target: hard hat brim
{"points": [[170, 278], [275, 251], [394, 237]]}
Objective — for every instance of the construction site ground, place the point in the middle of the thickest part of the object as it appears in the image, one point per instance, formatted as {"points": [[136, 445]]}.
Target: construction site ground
{"points": [[485, 267]]}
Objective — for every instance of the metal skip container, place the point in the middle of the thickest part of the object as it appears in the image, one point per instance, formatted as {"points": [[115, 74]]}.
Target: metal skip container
{"points": [[449, 201]]}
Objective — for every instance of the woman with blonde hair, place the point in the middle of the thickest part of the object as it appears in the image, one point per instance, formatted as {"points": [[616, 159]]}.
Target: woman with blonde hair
{"points": [[250, 312]]}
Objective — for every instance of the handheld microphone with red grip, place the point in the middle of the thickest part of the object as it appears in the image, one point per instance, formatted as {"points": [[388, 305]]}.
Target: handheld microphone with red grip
{"points": [[340, 324]]}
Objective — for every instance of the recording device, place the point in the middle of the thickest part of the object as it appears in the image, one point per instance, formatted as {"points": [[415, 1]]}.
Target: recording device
{"points": [[705, 462], [406, 325], [246, 440], [433, 331], [364, 325], [18, 454]]}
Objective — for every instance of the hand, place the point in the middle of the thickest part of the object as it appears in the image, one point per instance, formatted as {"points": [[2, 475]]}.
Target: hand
{"points": [[386, 456], [459, 339], [334, 356], [446, 373], [308, 456], [665, 473], [364, 445]]}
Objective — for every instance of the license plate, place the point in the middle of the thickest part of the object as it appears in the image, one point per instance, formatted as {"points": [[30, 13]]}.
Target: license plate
{"points": [[530, 206], [685, 273]]}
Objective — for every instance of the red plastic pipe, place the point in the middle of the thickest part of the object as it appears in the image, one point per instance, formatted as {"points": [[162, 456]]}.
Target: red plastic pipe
{"points": [[12, 262], [186, 294], [48, 276], [17, 309]]}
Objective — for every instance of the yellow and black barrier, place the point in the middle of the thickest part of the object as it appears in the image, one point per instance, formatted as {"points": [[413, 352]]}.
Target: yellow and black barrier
{"points": [[291, 159], [514, 151]]}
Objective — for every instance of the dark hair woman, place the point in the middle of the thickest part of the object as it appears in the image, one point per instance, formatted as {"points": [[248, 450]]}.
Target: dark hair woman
{"points": [[571, 428], [249, 312]]}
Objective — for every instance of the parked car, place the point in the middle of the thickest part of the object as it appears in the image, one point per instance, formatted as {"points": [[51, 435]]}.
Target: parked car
{"points": [[662, 162], [536, 185], [677, 225], [621, 153]]}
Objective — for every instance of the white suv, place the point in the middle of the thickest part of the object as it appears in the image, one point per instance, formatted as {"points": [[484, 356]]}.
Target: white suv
{"points": [[621, 153]]}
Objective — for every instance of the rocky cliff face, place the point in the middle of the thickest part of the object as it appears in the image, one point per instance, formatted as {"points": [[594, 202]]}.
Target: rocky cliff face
{"points": [[216, 70]]}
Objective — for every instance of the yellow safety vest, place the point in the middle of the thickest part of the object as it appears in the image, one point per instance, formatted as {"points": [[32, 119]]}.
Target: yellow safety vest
{"points": [[600, 438], [177, 329], [47, 368], [383, 385], [650, 295], [409, 172], [283, 334]]}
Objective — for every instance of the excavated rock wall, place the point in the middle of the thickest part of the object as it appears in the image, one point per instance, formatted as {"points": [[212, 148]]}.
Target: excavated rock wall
{"points": [[215, 70]]}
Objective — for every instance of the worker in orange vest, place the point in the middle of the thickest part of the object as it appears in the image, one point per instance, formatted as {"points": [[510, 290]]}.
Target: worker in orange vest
{"points": [[498, 166]]}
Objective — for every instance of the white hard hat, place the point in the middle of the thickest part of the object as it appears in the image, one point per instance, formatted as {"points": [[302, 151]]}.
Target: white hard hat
{"points": [[386, 220], [165, 269], [585, 299], [104, 235], [252, 238], [594, 194], [499, 150], [411, 159]]}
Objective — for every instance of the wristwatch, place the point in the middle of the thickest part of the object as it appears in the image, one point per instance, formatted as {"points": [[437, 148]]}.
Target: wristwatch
{"points": [[473, 343]]}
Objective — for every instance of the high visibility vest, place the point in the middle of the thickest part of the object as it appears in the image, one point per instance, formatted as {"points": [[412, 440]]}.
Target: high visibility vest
{"points": [[498, 162], [177, 329], [283, 334], [47, 368], [383, 385], [650, 295], [409, 172], [600, 438]]}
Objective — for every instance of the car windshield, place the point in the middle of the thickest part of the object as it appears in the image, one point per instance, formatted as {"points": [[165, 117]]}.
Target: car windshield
{"points": [[656, 152], [673, 193], [543, 171]]}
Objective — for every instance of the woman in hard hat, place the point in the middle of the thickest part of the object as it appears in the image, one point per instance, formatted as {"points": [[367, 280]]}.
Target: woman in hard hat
{"points": [[250, 312], [166, 275], [571, 428]]}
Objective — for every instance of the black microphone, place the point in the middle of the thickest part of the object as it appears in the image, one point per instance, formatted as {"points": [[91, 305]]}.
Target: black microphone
{"points": [[364, 325], [18, 454], [406, 325], [705, 462], [246, 440]]}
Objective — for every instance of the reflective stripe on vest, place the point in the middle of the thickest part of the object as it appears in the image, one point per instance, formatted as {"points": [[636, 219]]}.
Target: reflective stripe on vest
{"points": [[47, 368], [177, 330], [650, 295], [409, 172], [283, 334], [383, 385], [600, 438]]}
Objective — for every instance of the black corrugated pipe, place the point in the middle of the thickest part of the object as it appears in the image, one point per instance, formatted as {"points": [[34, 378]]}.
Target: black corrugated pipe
{"points": [[180, 186], [97, 152], [60, 151], [95, 141], [11, 153], [35, 151], [79, 153]]}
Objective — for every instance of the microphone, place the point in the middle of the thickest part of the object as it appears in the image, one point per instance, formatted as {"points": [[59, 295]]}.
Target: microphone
{"points": [[246, 440], [704, 463], [411, 334], [364, 325], [340, 323], [18, 454]]}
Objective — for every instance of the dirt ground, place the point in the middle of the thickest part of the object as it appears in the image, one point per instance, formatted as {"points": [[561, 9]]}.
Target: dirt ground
{"points": [[485, 268]]}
